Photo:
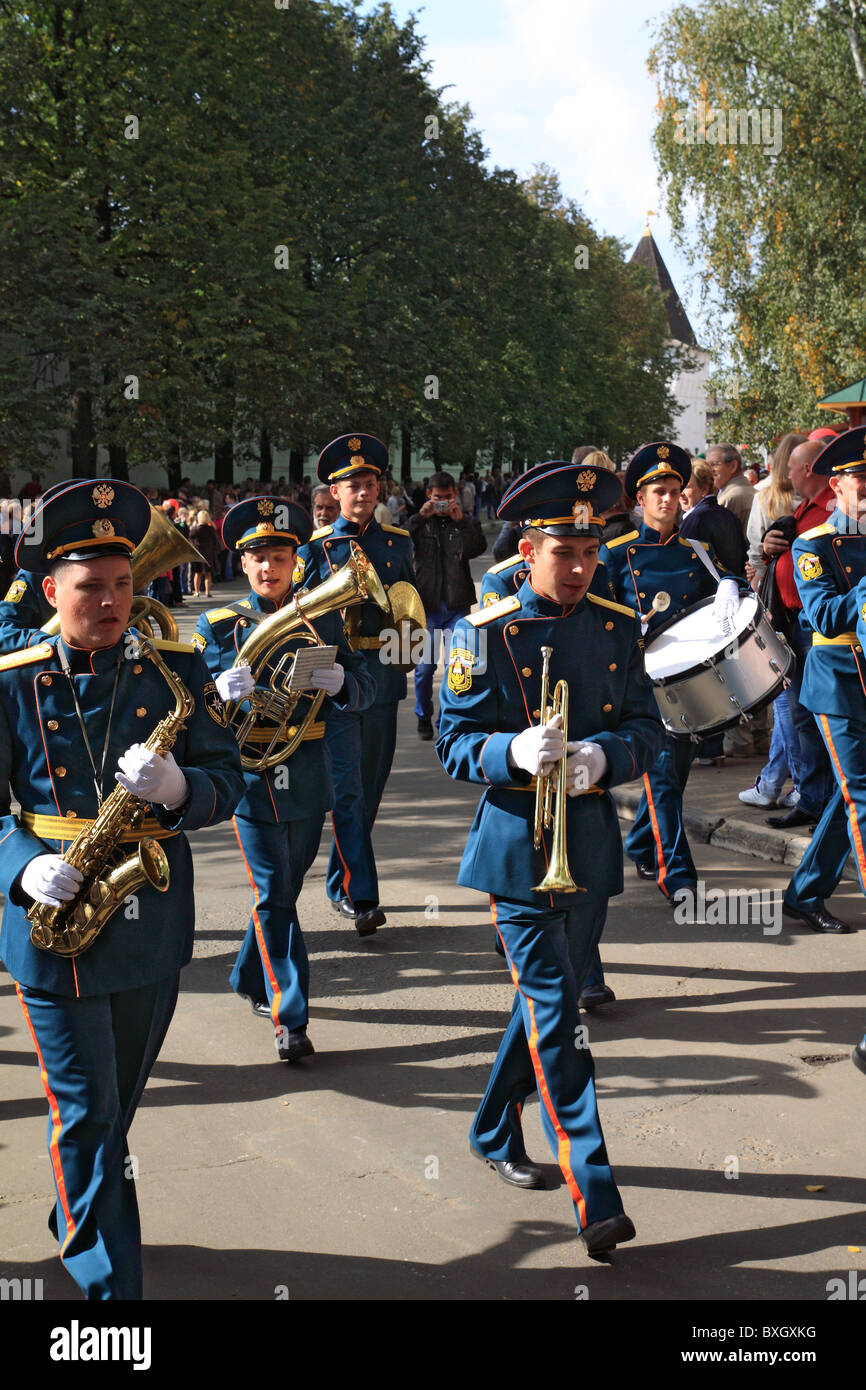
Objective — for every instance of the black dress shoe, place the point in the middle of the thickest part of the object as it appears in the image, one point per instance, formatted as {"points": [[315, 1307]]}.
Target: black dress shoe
{"points": [[595, 995], [606, 1235], [343, 906], [791, 819], [820, 920], [425, 729], [367, 922], [645, 870], [260, 1007], [294, 1045], [521, 1172], [858, 1056]]}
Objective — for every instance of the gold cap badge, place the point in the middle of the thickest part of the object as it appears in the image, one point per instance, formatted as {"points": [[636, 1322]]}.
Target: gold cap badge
{"points": [[103, 527], [354, 445], [103, 495]]}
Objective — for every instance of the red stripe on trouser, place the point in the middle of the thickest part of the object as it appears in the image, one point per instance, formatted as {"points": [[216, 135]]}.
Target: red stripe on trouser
{"points": [[347, 873], [56, 1131], [564, 1143], [260, 936], [856, 837], [663, 870]]}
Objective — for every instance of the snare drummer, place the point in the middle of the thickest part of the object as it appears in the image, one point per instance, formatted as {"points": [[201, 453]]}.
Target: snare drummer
{"points": [[657, 572]]}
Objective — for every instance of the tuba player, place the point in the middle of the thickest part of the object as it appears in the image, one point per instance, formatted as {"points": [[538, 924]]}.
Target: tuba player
{"points": [[76, 713]]}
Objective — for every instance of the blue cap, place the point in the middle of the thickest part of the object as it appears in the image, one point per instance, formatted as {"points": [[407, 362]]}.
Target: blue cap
{"points": [[656, 461], [260, 521], [351, 453], [844, 454], [83, 520], [562, 499]]}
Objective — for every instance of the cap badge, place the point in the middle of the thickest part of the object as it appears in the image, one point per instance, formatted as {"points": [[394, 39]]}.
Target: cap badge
{"points": [[354, 444], [356, 460], [663, 451], [103, 495], [265, 507], [103, 527], [586, 480], [265, 528]]}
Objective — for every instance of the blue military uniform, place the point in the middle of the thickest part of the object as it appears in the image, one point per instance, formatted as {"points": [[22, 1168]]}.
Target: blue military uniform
{"points": [[361, 744], [97, 1020], [640, 566], [830, 573], [493, 692], [278, 821]]}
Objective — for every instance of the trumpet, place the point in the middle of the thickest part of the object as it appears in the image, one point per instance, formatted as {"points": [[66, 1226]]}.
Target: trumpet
{"points": [[558, 878]]}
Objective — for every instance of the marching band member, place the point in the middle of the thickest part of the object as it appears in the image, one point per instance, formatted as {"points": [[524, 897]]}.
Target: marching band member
{"points": [[25, 609], [76, 715], [491, 732], [659, 573], [361, 744], [278, 821]]}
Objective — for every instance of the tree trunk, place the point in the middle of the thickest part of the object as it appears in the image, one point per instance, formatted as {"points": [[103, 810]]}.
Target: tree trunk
{"points": [[224, 460], [118, 462], [266, 457], [173, 469], [296, 466], [406, 454], [82, 439]]}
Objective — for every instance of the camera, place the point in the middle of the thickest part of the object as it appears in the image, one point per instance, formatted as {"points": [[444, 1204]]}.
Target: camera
{"points": [[441, 506]]}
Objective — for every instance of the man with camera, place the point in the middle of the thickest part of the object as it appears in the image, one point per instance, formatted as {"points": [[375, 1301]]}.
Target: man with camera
{"points": [[445, 540]]}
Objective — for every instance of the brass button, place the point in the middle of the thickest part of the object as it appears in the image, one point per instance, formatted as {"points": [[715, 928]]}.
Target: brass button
{"points": [[136, 670], [141, 711], [293, 729], [60, 772], [637, 572], [606, 709], [513, 630], [70, 815], [536, 714], [387, 564], [53, 724], [857, 648], [390, 542], [641, 595], [526, 671], [837, 542], [328, 545], [612, 666], [608, 627], [243, 623], [386, 586], [631, 550], [46, 680], [847, 569]]}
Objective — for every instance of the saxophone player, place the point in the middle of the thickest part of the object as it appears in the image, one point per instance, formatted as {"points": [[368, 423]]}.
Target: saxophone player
{"points": [[279, 819], [76, 714]]}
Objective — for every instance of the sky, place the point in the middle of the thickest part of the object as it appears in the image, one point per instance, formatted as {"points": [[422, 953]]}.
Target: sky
{"points": [[564, 83]]}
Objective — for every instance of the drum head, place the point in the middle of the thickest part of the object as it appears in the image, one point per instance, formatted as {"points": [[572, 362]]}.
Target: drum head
{"points": [[687, 640]]}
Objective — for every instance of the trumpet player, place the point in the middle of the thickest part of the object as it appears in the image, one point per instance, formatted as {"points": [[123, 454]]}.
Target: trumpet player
{"points": [[77, 716], [495, 731], [278, 821]]}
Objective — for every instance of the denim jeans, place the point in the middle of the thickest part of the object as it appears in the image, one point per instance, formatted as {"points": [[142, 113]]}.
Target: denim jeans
{"points": [[439, 622]]}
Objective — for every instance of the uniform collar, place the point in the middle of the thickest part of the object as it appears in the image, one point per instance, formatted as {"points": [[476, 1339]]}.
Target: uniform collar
{"points": [[535, 605], [259, 604], [344, 527], [97, 663], [647, 535]]}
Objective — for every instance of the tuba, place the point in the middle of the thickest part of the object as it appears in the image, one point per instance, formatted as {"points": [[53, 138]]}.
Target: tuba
{"points": [[273, 702], [162, 548], [71, 929]]}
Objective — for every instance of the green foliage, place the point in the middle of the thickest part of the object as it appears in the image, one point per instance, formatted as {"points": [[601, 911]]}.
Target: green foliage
{"points": [[289, 243]]}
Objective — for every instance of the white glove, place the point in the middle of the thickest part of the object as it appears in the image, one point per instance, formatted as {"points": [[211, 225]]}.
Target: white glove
{"points": [[235, 683], [50, 880], [536, 748], [328, 678], [586, 764], [151, 777], [726, 602]]}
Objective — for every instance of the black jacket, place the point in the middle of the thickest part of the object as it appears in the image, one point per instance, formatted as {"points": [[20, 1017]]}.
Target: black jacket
{"points": [[443, 549]]}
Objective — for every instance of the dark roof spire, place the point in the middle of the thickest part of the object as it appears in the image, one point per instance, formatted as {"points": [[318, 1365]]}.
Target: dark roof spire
{"points": [[647, 254]]}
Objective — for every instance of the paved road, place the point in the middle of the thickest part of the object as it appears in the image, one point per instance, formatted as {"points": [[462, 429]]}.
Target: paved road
{"points": [[349, 1177]]}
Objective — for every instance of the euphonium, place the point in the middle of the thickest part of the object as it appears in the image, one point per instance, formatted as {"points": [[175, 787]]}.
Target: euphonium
{"points": [[71, 929], [275, 702]]}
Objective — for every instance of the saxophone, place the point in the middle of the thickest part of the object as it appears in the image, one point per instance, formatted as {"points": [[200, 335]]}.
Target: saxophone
{"points": [[71, 929]]}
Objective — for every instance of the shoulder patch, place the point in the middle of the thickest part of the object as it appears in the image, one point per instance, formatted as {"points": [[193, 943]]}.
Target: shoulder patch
{"points": [[199, 641], [395, 530], [825, 529], [692, 542], [214, 705], [216, 615], [622, 540], [322, 531], [25, 656], [505, 564], [615, 607], [494, 610], [164, 646], [17, 590]]}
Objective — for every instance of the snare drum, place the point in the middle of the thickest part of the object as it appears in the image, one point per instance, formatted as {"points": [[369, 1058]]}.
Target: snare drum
{"points": [[705, 680]]}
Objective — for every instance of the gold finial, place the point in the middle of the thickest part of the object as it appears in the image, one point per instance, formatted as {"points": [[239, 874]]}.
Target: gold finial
{"points": [[646, 230]]}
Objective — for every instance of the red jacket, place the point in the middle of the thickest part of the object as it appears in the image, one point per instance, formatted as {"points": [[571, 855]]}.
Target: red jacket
{"points": [[813, 512]]}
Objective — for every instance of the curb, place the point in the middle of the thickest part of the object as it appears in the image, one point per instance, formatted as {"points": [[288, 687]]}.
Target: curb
{"points": [[730, 833]]}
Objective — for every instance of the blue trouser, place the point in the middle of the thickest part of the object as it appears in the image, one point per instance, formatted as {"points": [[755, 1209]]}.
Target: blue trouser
{"points": [[442, 622], [361, 748], [815, 784], [845, 740], [95, 1055], [658, 836], [547, 951], [817, 875], [272, 963]]}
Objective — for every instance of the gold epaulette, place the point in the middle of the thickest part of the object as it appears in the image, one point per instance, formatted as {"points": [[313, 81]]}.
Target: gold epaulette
{"points": [[691, 543], [825, 529], [621, 540], [495, 610], [505, 564], [395, 530], [25, 656], [617, 607], [163, 646], [322, 531], [216, 615]]}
